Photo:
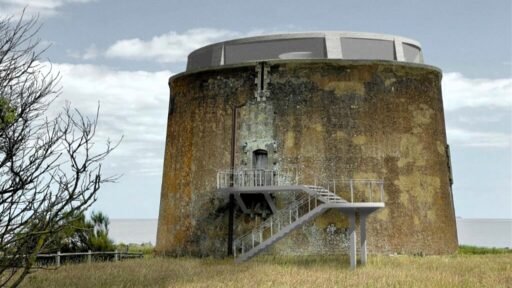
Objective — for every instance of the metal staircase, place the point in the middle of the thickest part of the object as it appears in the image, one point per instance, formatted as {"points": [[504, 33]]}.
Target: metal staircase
{"points": [[364, 196], [325, 195], [309, 206]]}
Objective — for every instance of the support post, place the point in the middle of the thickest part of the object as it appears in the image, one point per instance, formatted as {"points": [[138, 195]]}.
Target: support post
{"points": [[89, 257], [371, 191], [362, 226], [382, 192], [116, 256], [351, 191], [57, 259], [231, 224], [352, 234]]}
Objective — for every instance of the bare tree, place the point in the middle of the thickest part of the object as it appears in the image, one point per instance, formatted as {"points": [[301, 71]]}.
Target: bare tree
{"points": [[49, 167]]}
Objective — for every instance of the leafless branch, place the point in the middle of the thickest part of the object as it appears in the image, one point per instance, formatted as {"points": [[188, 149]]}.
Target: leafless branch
{"points": [[49, 168]]}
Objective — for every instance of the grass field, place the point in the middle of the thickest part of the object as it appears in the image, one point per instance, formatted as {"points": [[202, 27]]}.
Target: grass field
{"points": [[460, 270]]}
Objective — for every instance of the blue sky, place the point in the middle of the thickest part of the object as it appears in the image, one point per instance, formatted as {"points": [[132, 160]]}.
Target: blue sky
{"points": [[121, 54]]}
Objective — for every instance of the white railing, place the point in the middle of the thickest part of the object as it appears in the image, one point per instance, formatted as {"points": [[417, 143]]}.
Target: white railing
{"points": [[252, 178], [357, 190], [275, 223], [115, 255], [353, 190], [285, 218], [55, 259]]}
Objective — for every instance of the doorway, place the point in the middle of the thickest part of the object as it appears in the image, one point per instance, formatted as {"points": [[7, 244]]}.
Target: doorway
{"points": [[260, 159]]}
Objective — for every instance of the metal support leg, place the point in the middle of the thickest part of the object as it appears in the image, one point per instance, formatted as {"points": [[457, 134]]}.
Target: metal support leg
{"points": [[352, 234], [231, 224], [362, 225]]}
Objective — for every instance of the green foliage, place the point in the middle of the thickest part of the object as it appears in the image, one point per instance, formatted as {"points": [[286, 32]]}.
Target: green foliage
{"points": [[475, 250], [81, 235], [98, 240], [7, 112], [101, 243], [144, 248]]}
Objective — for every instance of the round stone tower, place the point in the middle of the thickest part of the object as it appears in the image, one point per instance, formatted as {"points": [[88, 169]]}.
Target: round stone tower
{"points": [[326, 109]]}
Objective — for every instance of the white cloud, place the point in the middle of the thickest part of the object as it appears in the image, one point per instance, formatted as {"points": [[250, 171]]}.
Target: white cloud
{"points": [[88, 54], [460, 92], [173, 47], [169, 47], [133, 104], [476, 111], [44, 8], [465, 137]]}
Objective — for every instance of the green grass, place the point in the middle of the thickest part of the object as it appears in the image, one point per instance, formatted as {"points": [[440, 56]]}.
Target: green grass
{"points": [[145, 248], [459, 270], [474, 250]]}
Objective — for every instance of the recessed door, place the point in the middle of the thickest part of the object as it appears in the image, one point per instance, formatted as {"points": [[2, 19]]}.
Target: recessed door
{"points": [[260, 160]]}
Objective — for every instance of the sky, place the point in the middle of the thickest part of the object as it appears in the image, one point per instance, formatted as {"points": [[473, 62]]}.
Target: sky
{"points": [[120, 54]]}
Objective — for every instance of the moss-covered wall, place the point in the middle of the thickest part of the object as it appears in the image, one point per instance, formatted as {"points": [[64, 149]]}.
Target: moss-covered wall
{"points": [[331, 119]]}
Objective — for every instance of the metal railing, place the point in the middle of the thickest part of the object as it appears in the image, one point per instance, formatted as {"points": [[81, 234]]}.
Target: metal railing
{"points": [[353, 190], [252, 178], [114, 255], [357, 190], [275, 223]]}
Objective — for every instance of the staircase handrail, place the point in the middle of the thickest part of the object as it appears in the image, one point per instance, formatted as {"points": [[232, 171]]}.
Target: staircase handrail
{"points": [[318, 193], [282, 211], [260, 229]]}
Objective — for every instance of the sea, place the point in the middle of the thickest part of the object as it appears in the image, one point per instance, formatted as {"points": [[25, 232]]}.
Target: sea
{"points": [[477, 232]]}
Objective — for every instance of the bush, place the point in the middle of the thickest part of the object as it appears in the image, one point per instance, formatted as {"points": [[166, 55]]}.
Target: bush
{"points": [[144, 248], [475, 250], [82, 235]]}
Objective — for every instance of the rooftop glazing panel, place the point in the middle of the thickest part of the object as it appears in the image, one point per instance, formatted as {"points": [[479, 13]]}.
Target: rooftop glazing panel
{"points": [[316, 45]]}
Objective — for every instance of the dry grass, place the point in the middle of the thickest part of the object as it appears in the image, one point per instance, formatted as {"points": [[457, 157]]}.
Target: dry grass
{"points": [[382, 271]]}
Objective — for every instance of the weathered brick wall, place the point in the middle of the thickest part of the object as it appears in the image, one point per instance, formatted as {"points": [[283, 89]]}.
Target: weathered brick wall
{"points": [[330, 118]]}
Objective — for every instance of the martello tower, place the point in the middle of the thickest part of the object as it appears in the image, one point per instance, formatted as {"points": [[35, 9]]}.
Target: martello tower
{"points": [[269, 138]]}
